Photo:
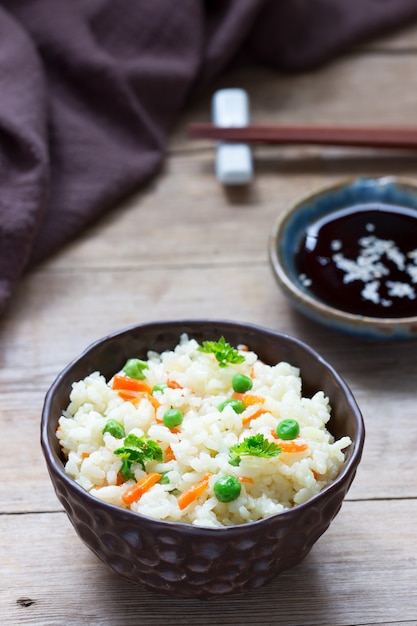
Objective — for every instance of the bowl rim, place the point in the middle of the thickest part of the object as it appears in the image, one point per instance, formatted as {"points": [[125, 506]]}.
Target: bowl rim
{"points": [[56, 466], [303, 297]]}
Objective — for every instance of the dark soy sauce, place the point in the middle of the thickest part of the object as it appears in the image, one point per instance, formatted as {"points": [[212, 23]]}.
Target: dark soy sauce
{"points": [[363, 260]]}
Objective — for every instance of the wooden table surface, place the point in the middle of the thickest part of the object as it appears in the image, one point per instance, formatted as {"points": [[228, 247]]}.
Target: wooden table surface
{"points": [[184, 247]]}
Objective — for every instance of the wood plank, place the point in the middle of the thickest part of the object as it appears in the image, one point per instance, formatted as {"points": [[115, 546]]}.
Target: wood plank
{"points": [[93, 304], [191, 220], [184, 216], [53, 579], [183, 247]]}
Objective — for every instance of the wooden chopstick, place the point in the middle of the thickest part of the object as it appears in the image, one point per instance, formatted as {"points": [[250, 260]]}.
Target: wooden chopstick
{"points": [[370, 137]]}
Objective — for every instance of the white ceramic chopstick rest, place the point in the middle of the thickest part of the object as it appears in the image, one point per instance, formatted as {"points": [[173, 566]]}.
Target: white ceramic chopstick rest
{"points": [[233, 164]]}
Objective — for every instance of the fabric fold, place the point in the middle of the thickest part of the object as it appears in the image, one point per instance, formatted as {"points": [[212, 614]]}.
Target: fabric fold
{"points": [[90, 90], [24, 165]]}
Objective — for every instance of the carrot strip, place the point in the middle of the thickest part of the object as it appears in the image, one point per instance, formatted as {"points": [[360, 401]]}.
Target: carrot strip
{"points": [[172, 384], [136, 396], [152, 400], [131, 384], [254, 415], [247, 398], [290, 445], [246, 479], [85, 455], [144, 484], [190, 495], [130, 396], [169, 454]]}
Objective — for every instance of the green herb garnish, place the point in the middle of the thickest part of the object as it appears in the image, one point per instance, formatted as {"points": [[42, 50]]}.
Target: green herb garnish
{"points": [[164, 480], [256, 445], [139, 450], [126, 470], [223, 352], [134, 368]]}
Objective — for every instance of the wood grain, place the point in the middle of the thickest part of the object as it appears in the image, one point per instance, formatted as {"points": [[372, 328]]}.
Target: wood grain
{"points": [[185, 247], [359, 572]]}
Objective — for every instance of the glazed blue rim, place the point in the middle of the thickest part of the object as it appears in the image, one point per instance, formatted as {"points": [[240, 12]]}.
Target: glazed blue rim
{"points": [[290, 227]]}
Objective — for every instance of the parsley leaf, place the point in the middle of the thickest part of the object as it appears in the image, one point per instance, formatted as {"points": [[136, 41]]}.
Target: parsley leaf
{"points": [[223, 352], [138, 450], [256, 445], [126, 470], [164, 480]]}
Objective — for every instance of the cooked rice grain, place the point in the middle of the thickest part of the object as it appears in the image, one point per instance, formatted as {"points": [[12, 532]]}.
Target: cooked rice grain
{"points": [[201, 445]]}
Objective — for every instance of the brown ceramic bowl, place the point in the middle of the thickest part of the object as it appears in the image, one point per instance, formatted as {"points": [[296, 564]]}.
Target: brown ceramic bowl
{"points": [[182, 559]]}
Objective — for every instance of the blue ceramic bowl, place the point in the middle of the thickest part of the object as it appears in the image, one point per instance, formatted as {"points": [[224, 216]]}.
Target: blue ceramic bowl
{"points": [[289, 232]]}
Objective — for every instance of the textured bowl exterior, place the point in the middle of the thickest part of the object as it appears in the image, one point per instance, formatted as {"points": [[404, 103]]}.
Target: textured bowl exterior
{"points": [[181, 559], [289, 230]]}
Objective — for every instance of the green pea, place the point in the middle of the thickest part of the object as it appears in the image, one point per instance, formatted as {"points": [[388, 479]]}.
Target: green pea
{"points": [[159, 387], [114, 428], [288, 429], [134, 368], [172, 417], [237, 405], [241, 383], [227, 488]]}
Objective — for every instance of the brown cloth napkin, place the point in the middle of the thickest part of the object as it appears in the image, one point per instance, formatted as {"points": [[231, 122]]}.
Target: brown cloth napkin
{"points": [[89, 90]]}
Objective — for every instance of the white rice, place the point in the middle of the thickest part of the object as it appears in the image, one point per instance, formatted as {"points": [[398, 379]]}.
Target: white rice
{"points": [[201, 444]]}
